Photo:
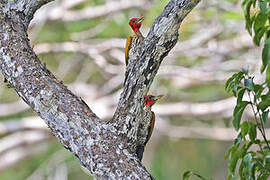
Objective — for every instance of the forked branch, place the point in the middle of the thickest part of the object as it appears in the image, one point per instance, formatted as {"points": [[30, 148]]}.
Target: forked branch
{"points": [[104, 149]]}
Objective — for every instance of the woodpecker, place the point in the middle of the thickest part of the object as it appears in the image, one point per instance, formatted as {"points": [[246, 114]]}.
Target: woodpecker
{"points": [[136, 39], [147, 126]]}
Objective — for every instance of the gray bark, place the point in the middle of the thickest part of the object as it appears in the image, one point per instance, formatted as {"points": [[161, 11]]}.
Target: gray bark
{"points": [[107, 150]]}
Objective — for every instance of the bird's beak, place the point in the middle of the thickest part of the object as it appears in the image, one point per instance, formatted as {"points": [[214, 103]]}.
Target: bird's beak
{"points": [[158, 97], [140, 20]]}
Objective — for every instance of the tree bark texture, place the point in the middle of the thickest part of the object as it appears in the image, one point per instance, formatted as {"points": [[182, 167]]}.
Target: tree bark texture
{"points": [[107, 150]]}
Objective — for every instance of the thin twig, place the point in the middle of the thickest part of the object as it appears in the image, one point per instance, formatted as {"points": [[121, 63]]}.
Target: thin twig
{"points": [[260, 125]]}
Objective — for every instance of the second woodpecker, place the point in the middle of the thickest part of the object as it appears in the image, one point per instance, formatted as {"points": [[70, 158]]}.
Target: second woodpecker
{"points": [[136, 39], [146, 127]]}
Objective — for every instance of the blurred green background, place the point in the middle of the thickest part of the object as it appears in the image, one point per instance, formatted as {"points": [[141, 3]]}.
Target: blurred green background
{"points": [[82, 43]]}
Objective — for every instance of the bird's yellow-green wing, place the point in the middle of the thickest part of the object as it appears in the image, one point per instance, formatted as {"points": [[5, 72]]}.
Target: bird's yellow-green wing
{"points": [[128, 45]]}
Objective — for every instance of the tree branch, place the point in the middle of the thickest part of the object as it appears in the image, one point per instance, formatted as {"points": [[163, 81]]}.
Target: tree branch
{"points": [[104, 150], [27, 7], [63, 12], [16, 155], [22, 138], [145, 62], [214, 133]]}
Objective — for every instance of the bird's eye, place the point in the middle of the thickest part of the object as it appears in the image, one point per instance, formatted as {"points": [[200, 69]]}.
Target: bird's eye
{"points": [[133, 21], [150, 97]]}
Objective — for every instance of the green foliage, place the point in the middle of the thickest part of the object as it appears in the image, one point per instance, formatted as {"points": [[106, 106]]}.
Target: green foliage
{"points": [[237, 113], [265, 54], [250, 163], [257, 14], [188, 174], [245, 162], [249, 154]]}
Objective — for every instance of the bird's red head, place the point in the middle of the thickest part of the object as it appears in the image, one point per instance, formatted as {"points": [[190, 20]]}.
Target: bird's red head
{"points": [[135, 23], [150, 100]]}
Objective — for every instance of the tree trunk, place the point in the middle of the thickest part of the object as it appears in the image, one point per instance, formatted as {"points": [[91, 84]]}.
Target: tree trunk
{"points": [[107, 150]]}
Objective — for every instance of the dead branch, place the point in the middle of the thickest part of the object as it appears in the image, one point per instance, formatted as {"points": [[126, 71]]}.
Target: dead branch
{"points": [[22, 138], [64, 13], [218, 108], [49, 167], [30, 123], [13, 108], [105, 106], [214, 133], [14, 156]]}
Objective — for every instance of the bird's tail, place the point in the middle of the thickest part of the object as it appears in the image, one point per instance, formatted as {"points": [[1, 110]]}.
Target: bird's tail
{"points": [[139, 152]]}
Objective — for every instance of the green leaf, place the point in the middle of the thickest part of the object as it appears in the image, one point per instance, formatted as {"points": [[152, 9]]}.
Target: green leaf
{"points": [[232, 84], [188, 174], [252, 132], [235, 156], [249, 84], [235, 89], [237, 113], [246, 6], [226, 155], [240, 95], [262, 5], [247, 158], [265, 116], [254, 2], [263, 176], [264, 97], [229, 82], [234, 147], [265, 103], [266, 150], [267, 161], [258, 89], [258, 35], [240, 170], [262, 68], [267, 11], [267, 79], [259, 22], [265, 54], [238, 140], [248, 167], [244, 128], [250, 129]]}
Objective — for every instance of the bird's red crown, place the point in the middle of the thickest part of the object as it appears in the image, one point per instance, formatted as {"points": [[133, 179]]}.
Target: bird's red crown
{"points": [[150, 100], [136, 23]]}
